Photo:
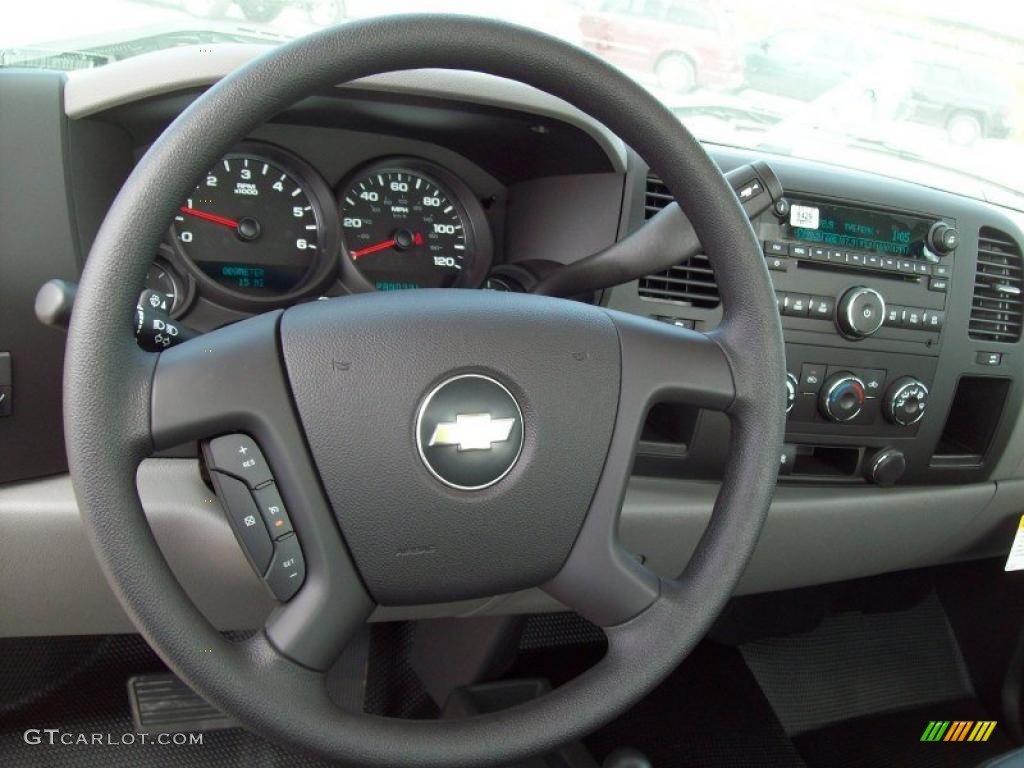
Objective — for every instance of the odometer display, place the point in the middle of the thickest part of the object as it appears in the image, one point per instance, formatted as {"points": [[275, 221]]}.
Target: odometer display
{"points": [[251, 225], [405, 228]]}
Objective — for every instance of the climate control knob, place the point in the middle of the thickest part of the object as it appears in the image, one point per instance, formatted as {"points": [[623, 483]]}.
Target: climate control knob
{"points": [[905, 401], [842, 397], [861, 312], [791, 385]]}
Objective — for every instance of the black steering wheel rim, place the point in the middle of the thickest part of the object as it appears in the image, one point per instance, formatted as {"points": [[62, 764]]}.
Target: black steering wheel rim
{"points": [[109, 383]]}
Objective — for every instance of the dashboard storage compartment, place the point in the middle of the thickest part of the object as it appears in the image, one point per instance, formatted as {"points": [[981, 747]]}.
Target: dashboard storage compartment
{"points": [[972, 422]]}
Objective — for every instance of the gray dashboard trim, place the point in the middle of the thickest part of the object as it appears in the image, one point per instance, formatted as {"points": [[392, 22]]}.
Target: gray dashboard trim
{"points": [[52, 584], [90, 91]]}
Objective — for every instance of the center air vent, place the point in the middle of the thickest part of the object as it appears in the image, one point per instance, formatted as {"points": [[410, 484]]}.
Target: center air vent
{"points": [[996, 309], [691, 282]]}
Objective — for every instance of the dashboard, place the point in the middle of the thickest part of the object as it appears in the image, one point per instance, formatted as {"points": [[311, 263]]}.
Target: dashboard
{"points": [[901, 309]]}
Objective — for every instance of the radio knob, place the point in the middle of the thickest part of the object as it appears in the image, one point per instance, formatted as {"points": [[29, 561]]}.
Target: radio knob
{"points": [[905, 402], [943, 238], [842, 397], [861, 312]]}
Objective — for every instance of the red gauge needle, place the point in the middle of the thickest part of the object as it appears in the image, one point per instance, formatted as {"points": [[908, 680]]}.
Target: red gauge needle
{"points": [[416, 239], [209, 217], [382, 246]]}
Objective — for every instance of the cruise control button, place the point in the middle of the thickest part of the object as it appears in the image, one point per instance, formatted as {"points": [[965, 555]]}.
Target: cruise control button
{"points": [[239, 455], [245, 520], [272, 508], [288, 568]]}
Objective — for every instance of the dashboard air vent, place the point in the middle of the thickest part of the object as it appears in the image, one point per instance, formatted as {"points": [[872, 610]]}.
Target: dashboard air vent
{"points": [[691, 282], [996, 309]]}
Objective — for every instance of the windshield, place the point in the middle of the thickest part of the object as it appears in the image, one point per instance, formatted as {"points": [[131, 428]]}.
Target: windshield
{"points": [[930, 91]]}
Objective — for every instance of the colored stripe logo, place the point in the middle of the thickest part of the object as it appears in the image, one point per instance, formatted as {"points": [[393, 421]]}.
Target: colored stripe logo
{"points": [[958, 730]]}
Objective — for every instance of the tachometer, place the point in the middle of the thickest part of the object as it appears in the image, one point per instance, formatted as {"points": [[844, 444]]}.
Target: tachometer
{"points": [[254, 226], [407, 223]]}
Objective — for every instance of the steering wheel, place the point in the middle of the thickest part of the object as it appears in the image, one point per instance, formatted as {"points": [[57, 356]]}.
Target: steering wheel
{"points": [[335, 394]]}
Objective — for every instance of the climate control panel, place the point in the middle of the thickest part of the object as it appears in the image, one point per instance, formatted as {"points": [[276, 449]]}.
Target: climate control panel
{"points": [[846, 392]]}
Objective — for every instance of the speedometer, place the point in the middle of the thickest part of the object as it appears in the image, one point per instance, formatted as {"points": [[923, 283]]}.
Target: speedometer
{"points": [[407, 223]]}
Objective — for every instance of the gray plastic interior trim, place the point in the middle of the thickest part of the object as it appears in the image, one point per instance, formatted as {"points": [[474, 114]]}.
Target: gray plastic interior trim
{"points": [[52, 584], [89, 91]]}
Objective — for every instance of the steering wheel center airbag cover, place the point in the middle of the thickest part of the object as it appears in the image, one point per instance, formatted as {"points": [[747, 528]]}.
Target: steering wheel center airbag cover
{"points": [[361, 369]]}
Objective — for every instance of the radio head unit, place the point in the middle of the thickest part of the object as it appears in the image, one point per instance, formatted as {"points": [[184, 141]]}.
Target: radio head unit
{"points": [[846, 226]]}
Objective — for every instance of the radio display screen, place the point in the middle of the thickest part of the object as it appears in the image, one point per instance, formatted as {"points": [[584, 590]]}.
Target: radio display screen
{"points": [[859, 228]]}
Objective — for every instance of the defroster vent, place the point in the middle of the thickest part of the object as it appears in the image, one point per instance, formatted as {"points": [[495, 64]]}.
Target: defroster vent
{"points": [[996, 308], [691, 282]]}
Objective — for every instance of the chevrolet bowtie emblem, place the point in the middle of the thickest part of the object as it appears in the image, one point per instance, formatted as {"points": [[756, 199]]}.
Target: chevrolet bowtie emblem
{"points": [[472, 432]]}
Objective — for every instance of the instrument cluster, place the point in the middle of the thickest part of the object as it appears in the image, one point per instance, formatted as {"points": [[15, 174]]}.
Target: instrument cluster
{"points": [[263, 228]]}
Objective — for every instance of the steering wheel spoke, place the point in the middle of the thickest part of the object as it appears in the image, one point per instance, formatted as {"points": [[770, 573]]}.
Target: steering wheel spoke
{"points": [[232, 381], [660, 363]]}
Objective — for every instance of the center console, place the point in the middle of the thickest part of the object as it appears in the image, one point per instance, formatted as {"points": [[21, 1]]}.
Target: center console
{"points": [[886, 381]]}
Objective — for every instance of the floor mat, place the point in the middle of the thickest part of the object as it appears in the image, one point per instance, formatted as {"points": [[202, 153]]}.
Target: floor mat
{"points": [[855, 665], [894, 739], [95, 707], [709, 713]]}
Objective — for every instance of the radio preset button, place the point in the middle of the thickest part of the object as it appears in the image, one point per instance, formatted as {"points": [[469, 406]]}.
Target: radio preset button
{"points": [[795, 304], [873, 261], [821, 307], [819, 254], [912, 317], [940, 270], [889, 264]]}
